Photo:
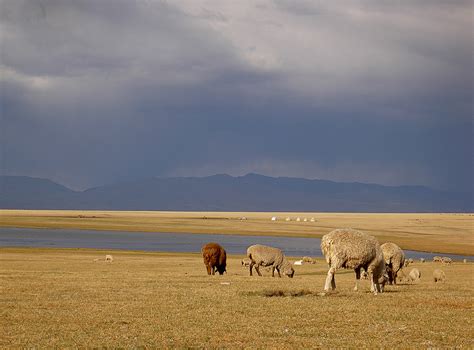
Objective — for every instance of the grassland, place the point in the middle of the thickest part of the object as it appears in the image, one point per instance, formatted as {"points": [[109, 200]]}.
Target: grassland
{"points": [[63, 298], [444, 233]]}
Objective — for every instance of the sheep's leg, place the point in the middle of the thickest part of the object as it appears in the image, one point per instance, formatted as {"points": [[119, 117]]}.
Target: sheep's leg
{"points": [[273, 271], [208, 268], [330, 279], [257, 268], [213, 270], [278, 270], [251, 265], [357, 272], [375, 287]]}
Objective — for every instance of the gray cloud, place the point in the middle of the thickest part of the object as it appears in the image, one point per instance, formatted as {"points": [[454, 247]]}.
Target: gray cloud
{"points": [[96, 92]]}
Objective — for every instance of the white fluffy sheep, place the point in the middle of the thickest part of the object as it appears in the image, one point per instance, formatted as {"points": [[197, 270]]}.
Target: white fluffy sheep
{"points": [[394, 259], [352, 249], [439, 275], [446, 260], [414, 275], [261, 255], [422, 260], [109, 258], [298, 262], [437, 259], [245, 262], [309, 260], [464, 261]]}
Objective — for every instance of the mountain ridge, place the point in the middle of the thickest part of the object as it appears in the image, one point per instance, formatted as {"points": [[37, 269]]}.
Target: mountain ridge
{"points": [[222, 192]]}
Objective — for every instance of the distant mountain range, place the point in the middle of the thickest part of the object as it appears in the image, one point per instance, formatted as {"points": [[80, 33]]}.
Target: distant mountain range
{"points": [[251, 192]]}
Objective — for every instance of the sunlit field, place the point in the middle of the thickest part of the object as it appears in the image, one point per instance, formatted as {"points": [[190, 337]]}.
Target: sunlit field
{"points": [[69, 297], [445, 233]]}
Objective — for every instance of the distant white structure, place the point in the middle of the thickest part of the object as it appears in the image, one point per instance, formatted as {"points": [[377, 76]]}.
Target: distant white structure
{"points": [[274, 218], [305, 219], [287, 219], [298, 262], [312, 220], [298, 219], [109, 258]]}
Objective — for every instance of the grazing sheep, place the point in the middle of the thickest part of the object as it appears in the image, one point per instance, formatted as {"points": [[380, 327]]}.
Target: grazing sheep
{"points": [[422, 260], [287, 219], [215, 258], [352, 249], [414, 275], [446, 260], [394, 259], [305, 220], [464, 261], [109, 258], [312, 220], [245, 262], [439, 276], [298, 219], [298, 262], [274, 218], [261, 255], [437, 259], [411, 261], [308, 260]]}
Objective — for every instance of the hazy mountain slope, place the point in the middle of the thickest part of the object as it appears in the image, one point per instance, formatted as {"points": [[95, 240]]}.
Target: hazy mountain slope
{"points": [[251, 192]]}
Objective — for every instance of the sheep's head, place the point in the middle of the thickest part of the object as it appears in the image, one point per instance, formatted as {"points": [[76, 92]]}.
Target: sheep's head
{"points": [[288, 270], [384, 279], [221, 269]]}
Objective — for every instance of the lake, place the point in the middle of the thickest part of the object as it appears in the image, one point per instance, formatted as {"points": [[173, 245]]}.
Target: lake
{"points": [[165, 242]]}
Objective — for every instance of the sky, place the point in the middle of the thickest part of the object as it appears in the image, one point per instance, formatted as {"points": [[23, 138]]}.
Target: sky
{"points": [[97, 92]]}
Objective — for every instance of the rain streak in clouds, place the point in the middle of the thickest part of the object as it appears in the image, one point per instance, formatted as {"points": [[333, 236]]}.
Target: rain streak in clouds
{"points": [[96, 92]]}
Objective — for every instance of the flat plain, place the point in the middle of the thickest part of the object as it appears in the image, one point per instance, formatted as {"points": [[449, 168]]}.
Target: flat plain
{"points": [[68, 298], [444, 233]]}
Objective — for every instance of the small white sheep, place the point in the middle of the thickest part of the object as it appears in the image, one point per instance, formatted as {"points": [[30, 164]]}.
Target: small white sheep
{"points": [[446, 260], [309, 260], [437, 259], [245, 262], [312, 220], [109, 258], [288, 219], [274, 218], [439, 275], [414, 275], [298, 219], [298, 262], [305, 220], [464, 261], [422, 260]]}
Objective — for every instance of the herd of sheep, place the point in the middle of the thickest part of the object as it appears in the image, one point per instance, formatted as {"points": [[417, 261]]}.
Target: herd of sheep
{"points": [[342, 248]]}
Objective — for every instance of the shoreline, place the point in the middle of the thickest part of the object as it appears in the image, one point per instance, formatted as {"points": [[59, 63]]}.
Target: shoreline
{"points": [[420, 232]]}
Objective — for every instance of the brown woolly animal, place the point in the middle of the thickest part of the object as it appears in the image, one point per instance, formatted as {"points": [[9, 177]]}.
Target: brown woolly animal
{"points": [[215, 258], [352, 249], [394, 259]]}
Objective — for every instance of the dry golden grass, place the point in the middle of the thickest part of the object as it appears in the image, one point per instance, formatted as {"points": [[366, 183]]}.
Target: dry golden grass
{"points": [[444, 233], [63, 298]]}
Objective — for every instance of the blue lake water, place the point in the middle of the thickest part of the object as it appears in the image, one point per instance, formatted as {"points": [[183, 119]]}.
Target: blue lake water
{"points": [[165, 242]]}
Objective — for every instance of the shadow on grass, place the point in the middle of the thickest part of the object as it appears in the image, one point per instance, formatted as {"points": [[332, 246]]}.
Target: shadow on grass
{"points": [[268, 293]]}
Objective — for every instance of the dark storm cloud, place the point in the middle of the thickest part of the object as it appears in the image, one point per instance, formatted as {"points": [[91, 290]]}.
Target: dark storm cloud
{"points": [[96, 92]]}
